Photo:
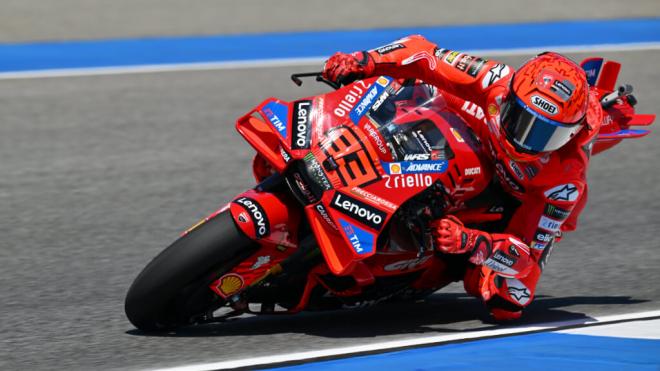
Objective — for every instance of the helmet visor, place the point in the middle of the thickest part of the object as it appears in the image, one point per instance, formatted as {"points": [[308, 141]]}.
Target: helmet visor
{"points": [[530, 132]]}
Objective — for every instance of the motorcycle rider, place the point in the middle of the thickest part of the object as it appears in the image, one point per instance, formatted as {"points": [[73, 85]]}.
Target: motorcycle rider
{"points": [[537, 124]]}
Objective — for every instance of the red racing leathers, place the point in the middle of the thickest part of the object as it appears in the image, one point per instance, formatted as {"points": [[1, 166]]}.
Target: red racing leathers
{"points": [[552, 190]]}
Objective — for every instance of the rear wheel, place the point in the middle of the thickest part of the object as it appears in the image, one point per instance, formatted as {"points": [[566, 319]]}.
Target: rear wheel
{"points": [[172, 289]]}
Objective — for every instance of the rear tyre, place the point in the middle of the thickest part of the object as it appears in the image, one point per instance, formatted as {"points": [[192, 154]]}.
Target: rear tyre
{"points": [[173, 288]]}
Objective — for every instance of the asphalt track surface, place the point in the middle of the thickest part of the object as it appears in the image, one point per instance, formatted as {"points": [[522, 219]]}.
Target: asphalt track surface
{"points": [[99, 174]]}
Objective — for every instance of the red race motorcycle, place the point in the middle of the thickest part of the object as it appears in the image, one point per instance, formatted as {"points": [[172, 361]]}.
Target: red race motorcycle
{"points": [[348, 182]]}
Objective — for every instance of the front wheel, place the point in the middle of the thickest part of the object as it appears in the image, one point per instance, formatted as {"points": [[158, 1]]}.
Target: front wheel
{"points": [[173, 288]]}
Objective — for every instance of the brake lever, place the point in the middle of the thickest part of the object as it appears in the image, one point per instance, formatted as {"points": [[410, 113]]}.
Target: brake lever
{"points": [[333, 85], [319, 77]]}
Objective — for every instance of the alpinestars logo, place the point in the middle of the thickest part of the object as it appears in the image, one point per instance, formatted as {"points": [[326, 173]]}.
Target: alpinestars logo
{"points": [[495, 73], [358, 210], [518, 293], [564, 192], [259, 218], [301, 128]]}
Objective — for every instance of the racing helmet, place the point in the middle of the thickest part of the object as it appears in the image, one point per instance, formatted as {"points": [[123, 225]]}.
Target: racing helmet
{"points": [[545, 108]]}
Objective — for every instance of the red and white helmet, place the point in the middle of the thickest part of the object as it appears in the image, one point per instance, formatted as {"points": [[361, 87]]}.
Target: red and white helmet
{"points": [[545, 108]]}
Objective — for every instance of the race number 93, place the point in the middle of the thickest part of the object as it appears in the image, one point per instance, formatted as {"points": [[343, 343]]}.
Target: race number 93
{"points": [[354, 165]]}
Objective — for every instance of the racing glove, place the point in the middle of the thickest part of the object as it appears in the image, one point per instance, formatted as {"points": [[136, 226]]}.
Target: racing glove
{"points": [[345, 68], [504, 254]]}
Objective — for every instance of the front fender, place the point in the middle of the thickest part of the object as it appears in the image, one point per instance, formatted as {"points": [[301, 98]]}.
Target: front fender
{"points": [[267, 217]]}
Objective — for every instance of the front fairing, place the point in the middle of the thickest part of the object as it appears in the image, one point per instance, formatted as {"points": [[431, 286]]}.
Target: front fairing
{"points": [[354, 156]]}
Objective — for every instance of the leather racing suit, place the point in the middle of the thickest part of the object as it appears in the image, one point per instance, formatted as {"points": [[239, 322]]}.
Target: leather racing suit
{"points": [[551, 191]]}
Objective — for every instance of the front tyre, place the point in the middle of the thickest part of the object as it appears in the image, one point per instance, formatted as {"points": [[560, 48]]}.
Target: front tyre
{"points": [[166, 294]]}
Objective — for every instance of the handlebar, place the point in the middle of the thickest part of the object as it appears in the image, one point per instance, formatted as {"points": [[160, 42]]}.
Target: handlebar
{"points": [[319, 77]]}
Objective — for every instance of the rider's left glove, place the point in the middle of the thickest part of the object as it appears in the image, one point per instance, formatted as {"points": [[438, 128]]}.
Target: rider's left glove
{"points": [[345, 68]]}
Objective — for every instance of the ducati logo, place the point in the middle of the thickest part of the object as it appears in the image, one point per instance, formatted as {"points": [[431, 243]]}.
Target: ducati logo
{"points": [[243, 217]]}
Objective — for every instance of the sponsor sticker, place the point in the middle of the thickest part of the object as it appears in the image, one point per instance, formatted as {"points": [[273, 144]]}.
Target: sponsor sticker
{"points": [[531, 171], [243, 217], [504, 259], [545, 105], [549, 224], [564, 192], [539, 245], [261, 260], [368, 99], [472, 171], [416, 156], [324, 214], [518, 291], [592, 69], [277, 114], [415, 167], [304, 187], [563, 89], [373, 198], [473, 110], [476, 67], [464, 62], [457, 135], [302, 112], [229, 284], [556, 212], [543, 236], [361, 240], [285, 156], [496, 209], [408, 181], [352, 96], [389, 48], [494, 74], [358, 210], [394, 168], [506, 179], [451, 57], [376, 138], [421, 138], [499, 267], [316, 171], [516, 170], [257, 214], [439, 53]]}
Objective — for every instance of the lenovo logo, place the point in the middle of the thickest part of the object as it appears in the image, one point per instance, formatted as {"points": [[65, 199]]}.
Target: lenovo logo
{"points": [[358, 210], [301, 128]]}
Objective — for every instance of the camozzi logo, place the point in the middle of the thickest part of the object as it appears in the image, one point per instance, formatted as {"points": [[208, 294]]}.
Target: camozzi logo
{"points": [[358, 210], [544, 105]]}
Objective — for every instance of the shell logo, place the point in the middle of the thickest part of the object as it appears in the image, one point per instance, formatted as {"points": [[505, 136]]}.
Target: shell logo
{"points": [[457, 135], [492, 109], [395, 168], [382, 81], [229, 284]]}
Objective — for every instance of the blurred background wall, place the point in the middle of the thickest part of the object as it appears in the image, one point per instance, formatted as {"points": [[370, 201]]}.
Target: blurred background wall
{"points": [[31, 20]]}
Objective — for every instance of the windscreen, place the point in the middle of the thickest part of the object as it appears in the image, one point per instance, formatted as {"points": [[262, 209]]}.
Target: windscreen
{"points": [[402, 118]]}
